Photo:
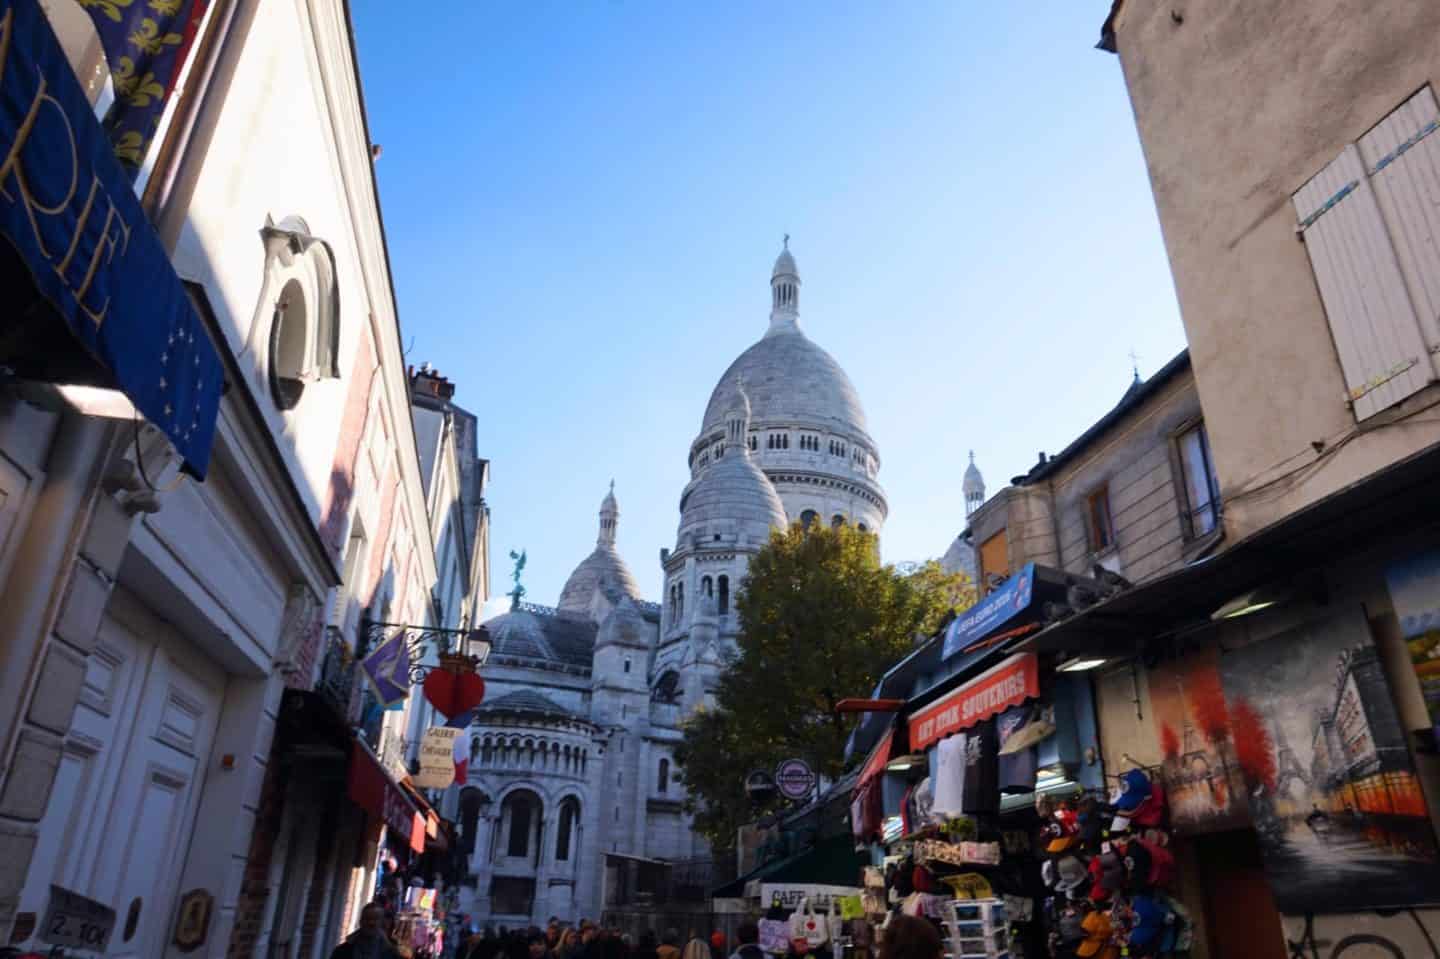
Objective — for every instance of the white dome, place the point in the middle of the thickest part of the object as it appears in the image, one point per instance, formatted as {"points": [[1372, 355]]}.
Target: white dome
{"points": [[733, 492], [789, 379], [601, 570]]}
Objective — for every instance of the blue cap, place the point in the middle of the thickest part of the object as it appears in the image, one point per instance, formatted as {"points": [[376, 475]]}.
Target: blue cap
{"points": [[1149, 921], [1136, 789]]}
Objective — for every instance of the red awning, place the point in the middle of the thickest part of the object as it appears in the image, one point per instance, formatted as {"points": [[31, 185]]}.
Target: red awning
{"points": [[1007, 684], [372, 789], [879, 756]]}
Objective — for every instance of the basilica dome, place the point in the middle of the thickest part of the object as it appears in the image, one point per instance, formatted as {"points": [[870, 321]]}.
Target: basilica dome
{"points": [[733, 496], [603, 570], [789, 379]]}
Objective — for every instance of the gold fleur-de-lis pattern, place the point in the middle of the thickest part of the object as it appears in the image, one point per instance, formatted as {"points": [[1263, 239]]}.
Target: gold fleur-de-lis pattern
{"points": [[149, 38], [145, 42], [110, 8]]}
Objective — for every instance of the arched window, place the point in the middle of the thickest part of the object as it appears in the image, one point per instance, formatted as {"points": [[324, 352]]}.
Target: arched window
{"points": [[723, 601], [667, 688], [680, 599], [837, 521], [569, 818], [808, 518], [754, 442], [662, 778], [520, 822], [471, 799], [706, 586], [304, 302]]}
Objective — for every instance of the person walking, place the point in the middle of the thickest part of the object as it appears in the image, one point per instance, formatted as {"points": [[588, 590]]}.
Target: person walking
{"points": [[369, 941], [907, 937]]}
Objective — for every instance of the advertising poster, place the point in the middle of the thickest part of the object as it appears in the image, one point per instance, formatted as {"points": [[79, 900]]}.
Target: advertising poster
{"points": [[1333, 794], [1415, 591], [1201, 772]]}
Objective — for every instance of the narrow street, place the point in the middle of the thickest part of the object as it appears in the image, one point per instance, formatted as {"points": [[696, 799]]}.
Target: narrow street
{"points": [[602, 480]]}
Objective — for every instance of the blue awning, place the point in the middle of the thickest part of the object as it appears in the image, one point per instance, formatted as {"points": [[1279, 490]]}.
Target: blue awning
{"points": [[107, 307]]}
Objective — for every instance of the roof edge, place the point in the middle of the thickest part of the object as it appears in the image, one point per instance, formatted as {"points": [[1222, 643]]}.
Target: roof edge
{"points": [[1107, 29]]}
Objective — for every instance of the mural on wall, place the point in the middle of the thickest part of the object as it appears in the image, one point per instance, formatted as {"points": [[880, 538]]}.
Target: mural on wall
{"points": [[1201, 771], [1415, 591], [1332, 791]]}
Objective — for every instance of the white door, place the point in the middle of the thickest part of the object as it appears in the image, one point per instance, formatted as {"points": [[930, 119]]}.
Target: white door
{"points": [[119, 820]]}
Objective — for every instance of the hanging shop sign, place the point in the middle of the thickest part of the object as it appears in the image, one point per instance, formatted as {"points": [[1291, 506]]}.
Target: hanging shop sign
{"points": [[388, 669], [1007, 684], [73, 921], [790, 895], [118, 317], [454, 688], [437, 757], [997, 609], [794, 778]]}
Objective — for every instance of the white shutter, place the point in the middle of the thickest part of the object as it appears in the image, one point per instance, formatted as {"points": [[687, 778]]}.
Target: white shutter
{"points": [[1402, 156], [1376, 333]]}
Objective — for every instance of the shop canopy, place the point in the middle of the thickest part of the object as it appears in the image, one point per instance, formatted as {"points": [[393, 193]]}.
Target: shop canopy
{"points": [[830, 862], [373, 790], [91, 299]]}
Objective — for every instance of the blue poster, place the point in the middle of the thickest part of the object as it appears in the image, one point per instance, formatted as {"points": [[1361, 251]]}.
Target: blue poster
{"points": [[992, 612]]}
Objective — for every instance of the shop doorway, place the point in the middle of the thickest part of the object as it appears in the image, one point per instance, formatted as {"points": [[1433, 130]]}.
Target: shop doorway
{"points": [[1240, 913], [118, 824]]}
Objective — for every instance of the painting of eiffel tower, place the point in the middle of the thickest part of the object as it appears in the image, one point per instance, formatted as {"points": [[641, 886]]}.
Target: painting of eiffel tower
{"points": [[1332, 790], [1202, 778]]}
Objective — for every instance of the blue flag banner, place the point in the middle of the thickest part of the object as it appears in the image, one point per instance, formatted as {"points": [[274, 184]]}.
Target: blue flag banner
{"points": [[987, 616], [388, 669], [145, 44], [71, 216]]}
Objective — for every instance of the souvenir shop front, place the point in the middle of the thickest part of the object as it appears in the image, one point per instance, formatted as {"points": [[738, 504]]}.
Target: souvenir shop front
{"points": [[984, 807]]}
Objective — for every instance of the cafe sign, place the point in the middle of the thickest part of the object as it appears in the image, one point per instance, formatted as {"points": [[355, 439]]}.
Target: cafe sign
{"points": [[1006, 684]]}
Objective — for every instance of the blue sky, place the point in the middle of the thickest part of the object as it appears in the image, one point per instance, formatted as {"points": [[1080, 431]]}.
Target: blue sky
{"points": [[583, 200]]}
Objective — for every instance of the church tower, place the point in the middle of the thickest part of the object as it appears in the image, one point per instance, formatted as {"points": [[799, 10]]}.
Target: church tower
{"points": [[973, 486]]}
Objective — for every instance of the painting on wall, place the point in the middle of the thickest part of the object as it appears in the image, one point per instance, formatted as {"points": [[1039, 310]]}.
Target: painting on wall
{"points": [[1333, 793], [1415, 592], [1201, 772]]}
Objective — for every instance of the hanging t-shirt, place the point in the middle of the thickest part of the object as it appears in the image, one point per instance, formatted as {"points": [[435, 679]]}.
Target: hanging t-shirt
{"points": [[981, 791], [948, 779], [1016, 768]]}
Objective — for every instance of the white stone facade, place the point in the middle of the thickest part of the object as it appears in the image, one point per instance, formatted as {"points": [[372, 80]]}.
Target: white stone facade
{"points": [[585, 701]]}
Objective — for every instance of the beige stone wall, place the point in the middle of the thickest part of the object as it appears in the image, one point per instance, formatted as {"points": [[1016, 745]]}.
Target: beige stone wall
{"points": [[1238, 104]]}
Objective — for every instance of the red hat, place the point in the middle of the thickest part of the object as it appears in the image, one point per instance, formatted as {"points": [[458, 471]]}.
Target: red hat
{"points": [[1151, 811], [717, 939], [1064, 832], [1162, 862]]}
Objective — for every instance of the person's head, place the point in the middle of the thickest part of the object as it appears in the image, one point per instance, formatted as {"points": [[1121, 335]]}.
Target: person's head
{"points": [[587, 935], [672, 937], [569, 939], [537, 945], [907, 937], [372, 920], [717, 939], [748, 933], [552, 933]]}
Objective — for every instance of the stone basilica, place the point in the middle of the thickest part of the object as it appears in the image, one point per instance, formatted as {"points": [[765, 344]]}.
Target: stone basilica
{"points": [[573, 795]]}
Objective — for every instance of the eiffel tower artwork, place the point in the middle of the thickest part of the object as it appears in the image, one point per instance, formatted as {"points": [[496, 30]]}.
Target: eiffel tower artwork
{"points": [[1288, 765]]}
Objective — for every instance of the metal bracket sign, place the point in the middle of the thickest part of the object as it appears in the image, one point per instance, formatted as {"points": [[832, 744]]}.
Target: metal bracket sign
{"points": [[75, 922], [794, 778]]}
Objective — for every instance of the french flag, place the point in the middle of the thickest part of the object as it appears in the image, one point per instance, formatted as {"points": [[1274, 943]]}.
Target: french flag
{"points": [[462, 745]]}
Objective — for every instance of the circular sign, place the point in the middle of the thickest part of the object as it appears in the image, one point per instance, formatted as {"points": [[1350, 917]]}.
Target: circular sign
{"points": [[794, 778], [758, 784]]}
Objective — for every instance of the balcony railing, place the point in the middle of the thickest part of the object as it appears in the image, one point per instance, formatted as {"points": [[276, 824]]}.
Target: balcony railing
{"points": [[339, 676]]}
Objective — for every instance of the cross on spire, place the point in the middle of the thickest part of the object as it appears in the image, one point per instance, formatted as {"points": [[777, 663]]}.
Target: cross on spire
{"points": [[787, 241], [1135, 364]]}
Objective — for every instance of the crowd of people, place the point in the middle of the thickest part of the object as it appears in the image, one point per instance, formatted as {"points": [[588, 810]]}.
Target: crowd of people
{"points": [[556, 941]]}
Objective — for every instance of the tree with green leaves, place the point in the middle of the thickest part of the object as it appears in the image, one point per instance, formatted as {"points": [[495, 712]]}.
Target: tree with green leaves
{"points": [[820, 620]]}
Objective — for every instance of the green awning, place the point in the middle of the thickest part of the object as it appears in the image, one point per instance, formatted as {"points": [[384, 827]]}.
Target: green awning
{"points": [[830, 862]]}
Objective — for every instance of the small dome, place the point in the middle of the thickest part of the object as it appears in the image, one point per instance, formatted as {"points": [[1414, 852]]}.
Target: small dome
{"points": [[625, 626], [734, 491], [604, 570], [973, 482]]}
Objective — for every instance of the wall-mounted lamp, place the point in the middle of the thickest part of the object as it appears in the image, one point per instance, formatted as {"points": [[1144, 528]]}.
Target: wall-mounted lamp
{"points": [[1252, 602], [903, 764]]}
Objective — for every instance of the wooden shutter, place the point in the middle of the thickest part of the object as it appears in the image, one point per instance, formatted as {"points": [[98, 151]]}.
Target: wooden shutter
{"points": [[1402, 156], [1371, 318]]}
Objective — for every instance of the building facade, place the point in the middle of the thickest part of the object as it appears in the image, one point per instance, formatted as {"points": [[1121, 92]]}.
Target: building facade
{"points": [[192, 537], [576, 807]]}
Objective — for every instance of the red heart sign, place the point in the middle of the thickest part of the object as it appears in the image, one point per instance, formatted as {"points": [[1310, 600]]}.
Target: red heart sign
{"points": [[453, 693]]}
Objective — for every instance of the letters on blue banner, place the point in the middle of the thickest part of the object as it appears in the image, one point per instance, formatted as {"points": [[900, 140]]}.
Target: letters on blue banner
{"points": [[72, 215], [992, 612]]}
